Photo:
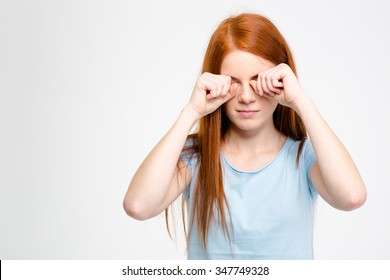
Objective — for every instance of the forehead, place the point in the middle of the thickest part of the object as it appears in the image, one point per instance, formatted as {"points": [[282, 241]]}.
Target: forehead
{"points": [[244, 65]]}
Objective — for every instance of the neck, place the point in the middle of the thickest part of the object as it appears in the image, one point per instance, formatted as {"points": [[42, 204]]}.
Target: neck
{"points": [[249, 142]]}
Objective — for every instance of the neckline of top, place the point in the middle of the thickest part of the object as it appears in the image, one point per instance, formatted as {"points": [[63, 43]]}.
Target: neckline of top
{"points": [[261, 168]]}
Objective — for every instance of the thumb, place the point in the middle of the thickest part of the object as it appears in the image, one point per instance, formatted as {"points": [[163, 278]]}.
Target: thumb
{"points": [[232, 92], [234, 88]]}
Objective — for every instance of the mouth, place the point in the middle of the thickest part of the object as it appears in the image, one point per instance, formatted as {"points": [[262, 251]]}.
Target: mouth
{"points": [[247, 113]]}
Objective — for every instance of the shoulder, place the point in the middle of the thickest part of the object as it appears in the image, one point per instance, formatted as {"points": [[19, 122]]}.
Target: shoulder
{"points": [[304, 159], [302, 146], [301, 150], [293, 146], [305, 154]]}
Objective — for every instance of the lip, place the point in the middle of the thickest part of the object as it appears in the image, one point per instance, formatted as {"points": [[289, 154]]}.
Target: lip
{"points": [[247, 113]]}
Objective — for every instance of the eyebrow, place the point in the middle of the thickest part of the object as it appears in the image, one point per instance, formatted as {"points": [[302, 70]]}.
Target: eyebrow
{"points": [[252, 78]]}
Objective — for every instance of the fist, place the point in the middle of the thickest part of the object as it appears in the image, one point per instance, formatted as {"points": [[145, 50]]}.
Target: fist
{"points": [[210, 92], [280, 84]]}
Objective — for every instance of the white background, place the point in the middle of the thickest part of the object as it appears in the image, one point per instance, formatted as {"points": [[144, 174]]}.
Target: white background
{"points": [[89, 87]]}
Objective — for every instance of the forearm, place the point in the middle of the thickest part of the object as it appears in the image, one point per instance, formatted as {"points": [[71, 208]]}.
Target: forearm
{"points": [[339, 173], [150, 183], [153, 186], [335, 175]]}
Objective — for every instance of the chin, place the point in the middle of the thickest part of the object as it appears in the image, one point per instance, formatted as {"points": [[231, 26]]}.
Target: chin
{"points": [[247, 126]]}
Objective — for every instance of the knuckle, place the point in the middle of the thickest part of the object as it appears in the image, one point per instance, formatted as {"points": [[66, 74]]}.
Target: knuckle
{"points": [[217, 88], [213, 87]]}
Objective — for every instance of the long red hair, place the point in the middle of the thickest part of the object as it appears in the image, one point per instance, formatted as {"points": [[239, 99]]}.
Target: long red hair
{"points": [[257, 35]]}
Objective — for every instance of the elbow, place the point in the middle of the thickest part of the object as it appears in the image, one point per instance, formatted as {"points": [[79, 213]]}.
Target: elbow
{"points": [[134, 209], [356, 200]]}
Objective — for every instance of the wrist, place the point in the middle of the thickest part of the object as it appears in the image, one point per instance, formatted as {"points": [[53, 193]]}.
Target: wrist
{"points": [[190, 114], [302, 105]]}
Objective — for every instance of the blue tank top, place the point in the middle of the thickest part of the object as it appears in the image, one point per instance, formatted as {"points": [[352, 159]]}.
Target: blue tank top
{"points": [[272, 209]]}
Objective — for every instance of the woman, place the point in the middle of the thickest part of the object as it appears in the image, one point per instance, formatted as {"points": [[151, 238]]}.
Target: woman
{"points": [[250, 175]]}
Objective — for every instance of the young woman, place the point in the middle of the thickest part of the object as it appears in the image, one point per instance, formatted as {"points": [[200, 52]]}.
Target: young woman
{"points": [[250, 176]]}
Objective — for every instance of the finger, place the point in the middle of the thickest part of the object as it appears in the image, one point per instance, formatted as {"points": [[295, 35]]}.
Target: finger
{"points": [[264, 84], [213, 87], [277, 76], [229, 96], [268, 81], [227, 85], [253, 84], [223, 83], [258, 86], [234, 89], [216, 102], [274, 85]]}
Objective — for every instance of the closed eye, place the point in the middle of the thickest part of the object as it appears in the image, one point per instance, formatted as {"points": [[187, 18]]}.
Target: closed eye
{"points": [[236, 80]]}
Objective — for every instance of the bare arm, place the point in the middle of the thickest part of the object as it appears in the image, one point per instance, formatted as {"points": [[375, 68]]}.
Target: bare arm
{"points": [[158, 181], [334, 175]]}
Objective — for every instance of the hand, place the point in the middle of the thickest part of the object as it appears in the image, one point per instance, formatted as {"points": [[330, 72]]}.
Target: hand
{"points": [[210, 92], [280, 84]]}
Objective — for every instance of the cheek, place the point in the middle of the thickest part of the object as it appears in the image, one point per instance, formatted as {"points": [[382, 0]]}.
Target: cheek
{"points": [[228, 106], [268, 104]]}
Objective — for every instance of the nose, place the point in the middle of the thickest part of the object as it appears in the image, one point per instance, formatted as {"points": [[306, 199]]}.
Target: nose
{"points": [[246, 94]]}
